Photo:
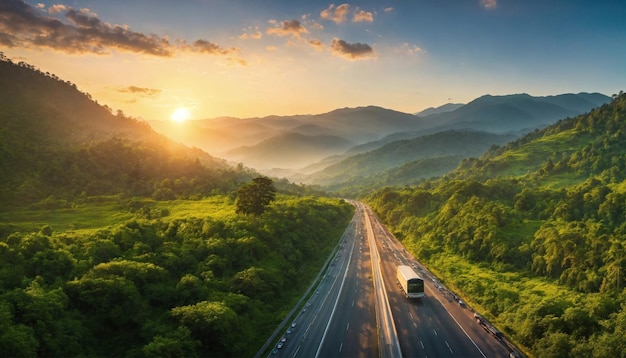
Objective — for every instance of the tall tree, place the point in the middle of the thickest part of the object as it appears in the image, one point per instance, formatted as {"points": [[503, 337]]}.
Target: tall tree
{"points": [[253, 198]]}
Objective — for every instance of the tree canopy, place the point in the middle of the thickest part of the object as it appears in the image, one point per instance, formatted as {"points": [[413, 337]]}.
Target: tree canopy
{"points": [[254, 197]]}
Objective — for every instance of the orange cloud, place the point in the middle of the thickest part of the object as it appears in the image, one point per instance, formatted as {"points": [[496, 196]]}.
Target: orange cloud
{"points": [[337, 14], [288, 28], [363, 16], [317, 44], [149, 92]]}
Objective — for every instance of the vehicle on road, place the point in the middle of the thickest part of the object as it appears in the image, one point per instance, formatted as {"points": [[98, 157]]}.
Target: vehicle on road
{"points": [[411, 284]]}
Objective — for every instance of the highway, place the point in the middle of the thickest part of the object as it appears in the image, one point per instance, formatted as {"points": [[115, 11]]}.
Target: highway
{"points": [[339, 318], [438, 325]]}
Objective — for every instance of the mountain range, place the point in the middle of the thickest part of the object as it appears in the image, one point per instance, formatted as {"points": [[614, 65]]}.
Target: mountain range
{"points": [[306, 147], [340, 148]]}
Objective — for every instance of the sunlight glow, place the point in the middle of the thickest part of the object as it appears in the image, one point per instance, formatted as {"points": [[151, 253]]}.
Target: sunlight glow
{"points": [[180, 115]]}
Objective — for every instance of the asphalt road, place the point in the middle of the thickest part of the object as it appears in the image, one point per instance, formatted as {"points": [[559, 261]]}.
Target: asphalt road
{"points": [[339, 318], [438, 325]]}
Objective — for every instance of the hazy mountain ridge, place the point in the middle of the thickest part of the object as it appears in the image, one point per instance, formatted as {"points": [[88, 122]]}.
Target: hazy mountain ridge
{"points": [[368, 128], [398, 153], [518, 112], [289, 150], [448, 107]]}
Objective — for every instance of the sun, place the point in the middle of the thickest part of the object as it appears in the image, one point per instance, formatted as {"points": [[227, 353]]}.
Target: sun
{"points": [[180, 115]]}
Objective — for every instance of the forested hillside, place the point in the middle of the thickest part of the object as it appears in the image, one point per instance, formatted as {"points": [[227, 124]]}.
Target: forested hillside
{"points": [[533, 233], [117, 242], [369, 169], [58, 143]]}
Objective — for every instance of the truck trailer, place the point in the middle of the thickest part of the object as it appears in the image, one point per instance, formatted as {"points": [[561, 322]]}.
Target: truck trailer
{"points": [[411, 284]]}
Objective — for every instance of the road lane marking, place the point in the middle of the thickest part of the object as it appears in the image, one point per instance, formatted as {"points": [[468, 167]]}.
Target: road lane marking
{"points": [[435, 332], [449, 347], [341, 347], [332, 313], [457, 322], [422, 344]]}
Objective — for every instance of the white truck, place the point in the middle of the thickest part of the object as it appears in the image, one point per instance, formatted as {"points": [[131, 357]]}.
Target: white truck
{"points": [[411, 284]]}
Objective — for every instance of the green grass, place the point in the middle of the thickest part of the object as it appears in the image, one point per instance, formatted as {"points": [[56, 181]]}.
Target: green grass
{"points": [[531, 156], [107, 212], [218, 207], [86, 216]]}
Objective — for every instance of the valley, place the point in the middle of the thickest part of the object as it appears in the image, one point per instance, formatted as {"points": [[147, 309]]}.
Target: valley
{"points": [[125, 237]]}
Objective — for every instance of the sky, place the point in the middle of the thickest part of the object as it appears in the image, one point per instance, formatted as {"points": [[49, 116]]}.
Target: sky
{"points": [[164, 59]]}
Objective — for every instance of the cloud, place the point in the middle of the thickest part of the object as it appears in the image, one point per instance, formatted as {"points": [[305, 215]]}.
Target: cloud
{"points": [[148, 92], [317, 44], [205, 46], [489, 4], [287, 28], [363, 16], [55, 9], [81, 31], [254, 36], [337, 14], [408, 49], [388, 9], [355, 51]]}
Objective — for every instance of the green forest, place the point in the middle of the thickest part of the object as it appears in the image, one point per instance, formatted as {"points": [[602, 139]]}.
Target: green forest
{"points": [[153, 278], [117, 242], [533, 233]]}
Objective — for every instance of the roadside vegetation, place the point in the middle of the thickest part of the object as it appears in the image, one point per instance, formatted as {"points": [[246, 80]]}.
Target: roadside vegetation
{"points": [[149, 278], [533, 233]]}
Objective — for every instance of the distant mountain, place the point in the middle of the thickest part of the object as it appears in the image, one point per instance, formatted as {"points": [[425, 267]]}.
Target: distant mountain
{"points": [[459, 144], [220, 135], [517, 113], [448, 107], [289, 150]]}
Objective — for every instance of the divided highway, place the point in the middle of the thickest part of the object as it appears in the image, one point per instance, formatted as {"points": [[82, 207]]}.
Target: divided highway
{"points": [[339, 318]]}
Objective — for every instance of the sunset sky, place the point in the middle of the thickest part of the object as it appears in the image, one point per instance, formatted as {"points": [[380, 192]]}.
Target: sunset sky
{"points": [[252, 58]]}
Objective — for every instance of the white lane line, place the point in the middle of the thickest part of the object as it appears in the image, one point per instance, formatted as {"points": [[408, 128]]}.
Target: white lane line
{"points": [[435, 332], [457, 322], [422, 344], [348, 326], [332, 313], [341, 347], [451, 351]]}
